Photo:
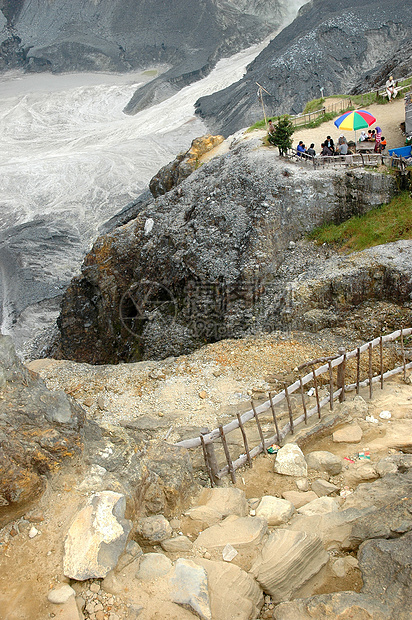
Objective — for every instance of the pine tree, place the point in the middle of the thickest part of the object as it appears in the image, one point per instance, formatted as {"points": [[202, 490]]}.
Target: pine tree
{"points": [[282, 137]]}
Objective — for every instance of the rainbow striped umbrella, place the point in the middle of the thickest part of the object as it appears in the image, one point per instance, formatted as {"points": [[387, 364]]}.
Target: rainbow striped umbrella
{"points": [[357, 119]]}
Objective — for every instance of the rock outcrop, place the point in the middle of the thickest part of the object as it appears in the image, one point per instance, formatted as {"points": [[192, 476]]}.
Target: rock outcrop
{"points": [[212, 259], [39, 430], [326, 47], [185, 163]]}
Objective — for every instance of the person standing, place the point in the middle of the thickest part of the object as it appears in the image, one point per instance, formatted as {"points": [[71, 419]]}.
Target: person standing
{"points": [[378, 140]]}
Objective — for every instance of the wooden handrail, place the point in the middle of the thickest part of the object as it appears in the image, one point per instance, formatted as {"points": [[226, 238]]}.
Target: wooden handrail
{"points": [[294, 387]]}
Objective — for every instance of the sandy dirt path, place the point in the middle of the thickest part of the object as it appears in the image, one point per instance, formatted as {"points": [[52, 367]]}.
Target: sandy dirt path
{"points": [[388, 117]]}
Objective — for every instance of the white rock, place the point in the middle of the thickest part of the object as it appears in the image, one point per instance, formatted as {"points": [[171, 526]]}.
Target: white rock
{"points": [[385, 415], [274, 510], [152, 566], [302, 484], [188, 583], [61, 595], [33, 532], [100, 525], [318, 506], [339, 568], [229, 553], [290, 461], [234, 594], [148, 225]]}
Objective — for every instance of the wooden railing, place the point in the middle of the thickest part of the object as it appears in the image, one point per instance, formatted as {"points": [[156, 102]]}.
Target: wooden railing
{"points": [[338, 362], [357, 159]]}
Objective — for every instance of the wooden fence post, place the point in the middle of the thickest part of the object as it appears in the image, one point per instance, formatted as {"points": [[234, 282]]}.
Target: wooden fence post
{"points": [[272, 406], [242, 430], [370, 370], [341, 375], [305, 413], [330, 386], [262, 439], [210, 458], [403, 355], [227, 455]]}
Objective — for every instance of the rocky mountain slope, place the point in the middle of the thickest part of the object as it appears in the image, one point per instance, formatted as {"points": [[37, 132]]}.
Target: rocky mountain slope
{"points": [[116, 35], [217, 258], [337, 46]]}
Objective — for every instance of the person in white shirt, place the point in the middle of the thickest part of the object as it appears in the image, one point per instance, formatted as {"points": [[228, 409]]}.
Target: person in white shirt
{"points": [[391, 88]]}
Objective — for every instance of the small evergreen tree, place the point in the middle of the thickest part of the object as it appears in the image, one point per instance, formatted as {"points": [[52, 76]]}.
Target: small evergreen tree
{"points": [[282, 137]]}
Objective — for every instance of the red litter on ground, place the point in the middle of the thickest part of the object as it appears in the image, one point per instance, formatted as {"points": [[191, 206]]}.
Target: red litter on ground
{"points": [[364, 456], [346, 458]]}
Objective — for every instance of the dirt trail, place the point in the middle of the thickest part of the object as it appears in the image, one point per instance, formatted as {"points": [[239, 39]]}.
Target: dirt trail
{"points": [[30, 567]]}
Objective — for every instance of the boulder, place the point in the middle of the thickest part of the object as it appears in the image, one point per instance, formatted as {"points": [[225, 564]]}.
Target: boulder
{"points": [[234, 594], [299, 499], [152, 530], [387, 572], [152, 566], [245, 534], [226, 501], [189, 588], [393, 487], [334, 528], [206, 515], [97, 537], [177, 544], [290, 461], [348, 434], [393, 464], [320, 505], [386, 592], [287, 561], [39, 430], [321, 460], [360, 472], [274, 510], [323, 487]]}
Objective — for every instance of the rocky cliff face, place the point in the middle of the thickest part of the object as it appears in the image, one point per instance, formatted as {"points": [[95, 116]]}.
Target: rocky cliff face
{"points": [[212, 259], [120, 35], [39, 429], [330, 45]]}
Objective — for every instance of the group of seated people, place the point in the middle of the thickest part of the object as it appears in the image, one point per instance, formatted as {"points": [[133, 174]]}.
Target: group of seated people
{"points": [[376, 137], [328, 147]]}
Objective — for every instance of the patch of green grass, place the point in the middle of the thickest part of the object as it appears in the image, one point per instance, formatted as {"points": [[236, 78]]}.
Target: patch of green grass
{"points": [[261, 124], [384, 224], [314, 105], [329, 116]]}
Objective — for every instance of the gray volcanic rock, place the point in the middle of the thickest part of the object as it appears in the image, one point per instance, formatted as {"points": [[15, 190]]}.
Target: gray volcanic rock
{"points": [[330, 45], [211, 259], [120, 35], [39, 429]]}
